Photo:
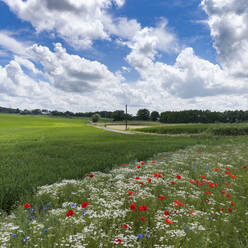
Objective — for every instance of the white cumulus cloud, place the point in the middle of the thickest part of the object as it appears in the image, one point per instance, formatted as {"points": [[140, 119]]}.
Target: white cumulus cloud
{"points": [[77, 22], [228, 23]]}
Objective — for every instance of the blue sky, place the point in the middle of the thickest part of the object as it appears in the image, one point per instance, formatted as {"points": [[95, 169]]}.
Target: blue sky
{"points": [[103, 54]]}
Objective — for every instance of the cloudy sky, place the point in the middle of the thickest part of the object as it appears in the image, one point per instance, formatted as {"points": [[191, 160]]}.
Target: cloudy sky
{"points": [[102, 54]]}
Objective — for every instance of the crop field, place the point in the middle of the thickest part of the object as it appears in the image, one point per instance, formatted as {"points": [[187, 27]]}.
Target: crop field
{"points": [[212, 129], [193, 197], [39, 150]]}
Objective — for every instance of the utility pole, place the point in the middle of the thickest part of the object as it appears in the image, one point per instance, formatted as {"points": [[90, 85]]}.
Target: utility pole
{"points": [[126, 116]]}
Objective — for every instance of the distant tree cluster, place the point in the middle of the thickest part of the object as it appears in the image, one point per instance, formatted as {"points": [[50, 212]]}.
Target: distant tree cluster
{"points": [[203, 116], [185, 116]]}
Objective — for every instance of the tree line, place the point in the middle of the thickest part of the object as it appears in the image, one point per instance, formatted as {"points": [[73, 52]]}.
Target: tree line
{"points": [[185, 116]]}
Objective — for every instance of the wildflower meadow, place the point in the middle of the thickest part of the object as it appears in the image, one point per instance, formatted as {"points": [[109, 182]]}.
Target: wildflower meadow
{"points": [[193, 197]]}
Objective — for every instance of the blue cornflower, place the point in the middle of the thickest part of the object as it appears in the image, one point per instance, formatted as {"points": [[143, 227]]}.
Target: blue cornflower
{"points": [[207, 168], [210, 218], [44, 208], [32, 216], [14, 234], [73, 204], [186, 228], [54, 218], [48, 204], [84, 211], [140, 235], [46, 230], [26, 239], [31, 210]]}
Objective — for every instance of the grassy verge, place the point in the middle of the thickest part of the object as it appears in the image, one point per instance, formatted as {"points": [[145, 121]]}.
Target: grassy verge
{"points": [[196, 197], [36, 150]]}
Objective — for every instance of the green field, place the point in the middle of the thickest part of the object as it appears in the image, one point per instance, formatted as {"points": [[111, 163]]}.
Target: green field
{"points": [[212, 129], [39, 150], [207, 178]]}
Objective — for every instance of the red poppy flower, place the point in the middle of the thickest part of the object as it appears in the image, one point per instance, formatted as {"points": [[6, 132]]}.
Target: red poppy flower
{"points": [[217, 169], [157, 175], [211, 185], [91, 175], [232, 203], [145, 208], [173, 183], [143, 219], [227, 172], [166, 212], [228, 196], [137, 178], [70, 213], [191, 181], [179, 177], [138, 167], [161, 197], [125, 226], [194, 159], [192, 212], [153, 162], [222, 209], [130, 192], [207, 192], [27, 205], [123, 164], [130, 198], [175, 211], [179, 203], [141, 183], [203, 177], [206, 199], [142, 208], [149, 180], [142, 163], [223, 192], [230, 210], [132, 206], [84, 204], [233, 176], [167, 221], [227, 168], [244, 167], [118, 241]]}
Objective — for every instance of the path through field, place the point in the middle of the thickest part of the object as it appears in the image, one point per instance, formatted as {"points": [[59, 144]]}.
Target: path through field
{"points": [[114, 130]]}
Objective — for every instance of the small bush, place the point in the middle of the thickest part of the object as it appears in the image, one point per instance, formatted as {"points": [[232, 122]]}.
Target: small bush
{"points": [[95, 117]]}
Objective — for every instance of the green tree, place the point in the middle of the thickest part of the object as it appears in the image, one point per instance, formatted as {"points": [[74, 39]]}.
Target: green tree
{"points": [[118, 115], [95, 117], [154, 115], [143, 114]]}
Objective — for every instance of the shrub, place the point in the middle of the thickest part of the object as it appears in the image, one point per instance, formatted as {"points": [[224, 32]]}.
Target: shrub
{"points": [[95, 117]]}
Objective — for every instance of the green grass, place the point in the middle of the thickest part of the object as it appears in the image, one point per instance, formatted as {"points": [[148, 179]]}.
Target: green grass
{"points": [[208, 206], [176, 129], [39, 150], [214, 129]]}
